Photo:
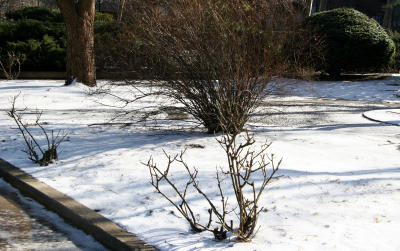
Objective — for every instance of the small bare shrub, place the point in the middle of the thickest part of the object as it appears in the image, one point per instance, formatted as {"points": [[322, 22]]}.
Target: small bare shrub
{"points": [[35, 150], [10, 65], [243, 164]]}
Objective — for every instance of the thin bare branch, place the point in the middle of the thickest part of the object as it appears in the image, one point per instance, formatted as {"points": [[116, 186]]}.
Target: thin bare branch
{"points": [[47, 155]]}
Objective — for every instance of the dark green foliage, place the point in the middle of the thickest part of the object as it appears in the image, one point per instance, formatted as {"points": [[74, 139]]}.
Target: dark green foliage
{"points": [[25, 29], [396, 39], [36, 13], [105, 43], [101, 18], [7, 31], [353, 42], [41, 44], [42, 54], [34, 29], [107, 40], [38, 34]]}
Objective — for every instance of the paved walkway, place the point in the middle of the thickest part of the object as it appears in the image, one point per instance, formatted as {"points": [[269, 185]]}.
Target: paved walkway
{"points": [[15, 229], [25, 225]]}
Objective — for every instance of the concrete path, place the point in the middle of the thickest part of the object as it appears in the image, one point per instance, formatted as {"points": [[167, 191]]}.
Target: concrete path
{"points": [[15, 229], [26, 225]]}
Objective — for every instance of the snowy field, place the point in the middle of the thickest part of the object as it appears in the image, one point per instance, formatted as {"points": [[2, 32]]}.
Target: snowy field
{"points": [[337, 189]]}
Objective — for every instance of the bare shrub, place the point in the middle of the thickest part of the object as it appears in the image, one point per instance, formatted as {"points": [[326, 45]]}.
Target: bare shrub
{"points": [[36, 152], [214, 57], [244, 163], [304, 50], [10, 65]]}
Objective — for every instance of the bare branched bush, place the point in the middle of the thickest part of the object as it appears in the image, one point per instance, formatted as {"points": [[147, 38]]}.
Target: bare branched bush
{"points": [[214, 57], [10, 65], [35, 150], [244, 164], [305, 52]]}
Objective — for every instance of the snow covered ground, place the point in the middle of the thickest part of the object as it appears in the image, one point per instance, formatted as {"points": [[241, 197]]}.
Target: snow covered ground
{"points": [[338, 186]]}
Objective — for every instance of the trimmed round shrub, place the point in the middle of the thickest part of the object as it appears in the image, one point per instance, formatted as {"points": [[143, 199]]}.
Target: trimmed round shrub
{"points": [[352, 41]]}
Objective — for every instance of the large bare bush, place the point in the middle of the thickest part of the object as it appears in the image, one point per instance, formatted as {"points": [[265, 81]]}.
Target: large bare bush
{"points": [[214, 57]]}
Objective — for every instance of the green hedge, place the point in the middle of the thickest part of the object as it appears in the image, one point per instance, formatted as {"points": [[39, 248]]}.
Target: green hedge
{"points": [[25, 29], [36, 13], [353, 42], [41, 44], [38, 35]]}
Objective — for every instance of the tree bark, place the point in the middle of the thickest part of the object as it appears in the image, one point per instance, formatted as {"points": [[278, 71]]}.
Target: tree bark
{"points": [[79, 21]]}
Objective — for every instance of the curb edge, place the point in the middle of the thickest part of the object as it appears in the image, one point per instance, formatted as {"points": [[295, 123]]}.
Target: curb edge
{"points": [[100, 228]]}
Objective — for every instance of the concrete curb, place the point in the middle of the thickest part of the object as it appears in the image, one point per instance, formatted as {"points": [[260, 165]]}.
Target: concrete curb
{"points": [[103, 230], [377, 116]]}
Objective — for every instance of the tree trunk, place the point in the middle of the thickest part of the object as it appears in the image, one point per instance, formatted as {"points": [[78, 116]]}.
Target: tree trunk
{"points": [[387, 18], [309, 4], [121, 9], [322, 5], [79, 21]]}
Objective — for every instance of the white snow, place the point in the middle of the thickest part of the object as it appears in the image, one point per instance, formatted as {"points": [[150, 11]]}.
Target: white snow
{"points": [[390, 116], [338, 186], [374, 90]]}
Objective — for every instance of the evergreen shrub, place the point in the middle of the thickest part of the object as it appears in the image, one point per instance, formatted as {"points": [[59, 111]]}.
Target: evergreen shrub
{"points": [[41, 44], [101, 18], [36, 13], [353, 42], [38, 35]]}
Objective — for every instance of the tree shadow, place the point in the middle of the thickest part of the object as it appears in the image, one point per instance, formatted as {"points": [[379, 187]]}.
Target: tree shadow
{"points": [[164, 237], [19, 87]]}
